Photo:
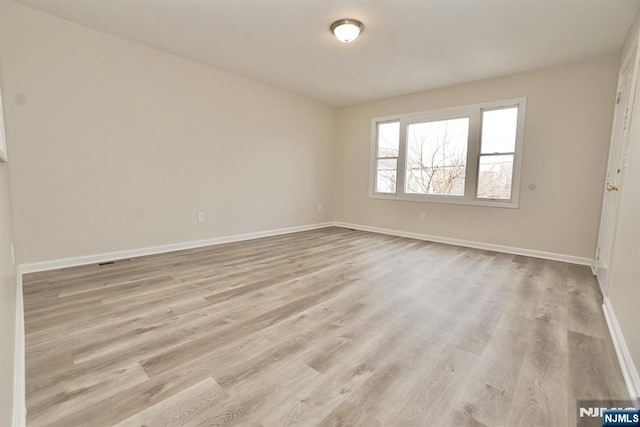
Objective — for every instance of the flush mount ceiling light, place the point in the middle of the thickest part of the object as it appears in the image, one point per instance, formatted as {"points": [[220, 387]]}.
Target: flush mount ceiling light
{"points": [[347, 30]]}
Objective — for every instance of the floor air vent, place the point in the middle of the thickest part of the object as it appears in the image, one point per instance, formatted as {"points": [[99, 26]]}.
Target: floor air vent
{"points": [[100, 264]]}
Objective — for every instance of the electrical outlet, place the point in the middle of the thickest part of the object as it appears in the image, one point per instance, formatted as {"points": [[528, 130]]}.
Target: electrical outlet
{"points": [[422, 215], [200, 216], [319, 207], [13, 256]]}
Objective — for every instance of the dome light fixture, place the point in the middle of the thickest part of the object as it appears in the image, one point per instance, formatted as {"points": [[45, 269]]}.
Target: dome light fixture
{"points": [[347, 30]]}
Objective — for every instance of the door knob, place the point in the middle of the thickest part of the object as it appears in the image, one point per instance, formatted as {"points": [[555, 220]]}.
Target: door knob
{"points": [[612, 187]]}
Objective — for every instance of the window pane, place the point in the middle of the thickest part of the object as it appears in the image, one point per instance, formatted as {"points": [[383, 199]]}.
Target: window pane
{"points": [[386, 175], [388, 139], [499, 130], [437, 157], [494, 177]]}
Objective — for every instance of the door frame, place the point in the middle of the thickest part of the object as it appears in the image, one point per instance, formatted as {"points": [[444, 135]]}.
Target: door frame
{"points": [[622, 110]]}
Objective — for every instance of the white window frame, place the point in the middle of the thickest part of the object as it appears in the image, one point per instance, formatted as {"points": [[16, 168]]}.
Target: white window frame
{"points": [[474, 113]]}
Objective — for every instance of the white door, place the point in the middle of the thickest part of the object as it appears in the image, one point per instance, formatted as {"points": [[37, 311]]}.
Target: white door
{"points": [[616, 164]]}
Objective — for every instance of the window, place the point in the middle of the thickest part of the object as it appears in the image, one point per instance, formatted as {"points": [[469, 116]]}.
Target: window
{"points": [[388, 147], [437, 157], [465, 155]]}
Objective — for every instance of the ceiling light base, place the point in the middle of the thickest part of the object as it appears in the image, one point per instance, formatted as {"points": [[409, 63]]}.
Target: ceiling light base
{"points": [[347, 30]]}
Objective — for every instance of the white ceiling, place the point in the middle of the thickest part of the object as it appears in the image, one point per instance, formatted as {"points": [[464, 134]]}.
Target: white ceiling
{"points": [[407, 45]]}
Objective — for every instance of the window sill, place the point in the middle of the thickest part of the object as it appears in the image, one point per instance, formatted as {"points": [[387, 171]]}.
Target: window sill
{"points": [[449, 200]]}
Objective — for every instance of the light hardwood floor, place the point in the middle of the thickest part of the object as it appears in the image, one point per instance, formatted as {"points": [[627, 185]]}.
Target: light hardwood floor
{"points": [[331, 327]]}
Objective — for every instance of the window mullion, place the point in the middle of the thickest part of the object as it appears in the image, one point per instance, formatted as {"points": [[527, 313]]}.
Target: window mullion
{"points": [[373, 171], [402, 159], [473, 155]]}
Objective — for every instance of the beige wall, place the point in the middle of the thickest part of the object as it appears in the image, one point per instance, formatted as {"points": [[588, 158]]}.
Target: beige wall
{"points": [[632, 34], [117, 146], [7, 301], [624, 273], [7, 285], [569, 112], [7, 288]]}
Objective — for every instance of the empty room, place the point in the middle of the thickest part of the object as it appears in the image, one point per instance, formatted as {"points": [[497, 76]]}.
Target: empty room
{"points": [[319, 213]]}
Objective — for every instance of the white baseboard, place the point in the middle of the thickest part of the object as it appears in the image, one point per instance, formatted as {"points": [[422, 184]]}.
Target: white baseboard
{"points": [[19, 380], [471, 244], [132, 253], [629, 371]]}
